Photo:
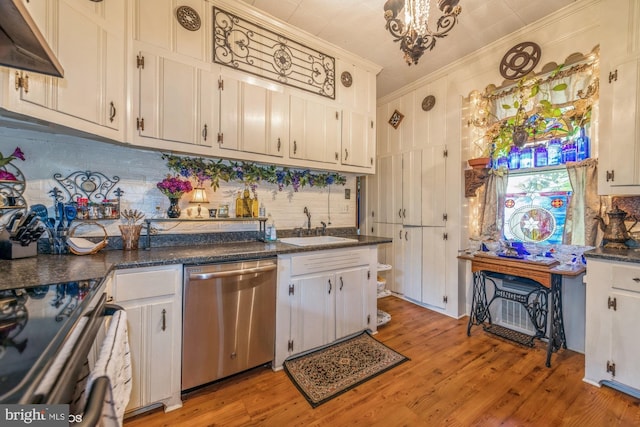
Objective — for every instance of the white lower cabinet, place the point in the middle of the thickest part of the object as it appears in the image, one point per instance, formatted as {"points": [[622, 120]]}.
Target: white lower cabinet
{"points": [[613, 307], [324, 296], [152, 298]]}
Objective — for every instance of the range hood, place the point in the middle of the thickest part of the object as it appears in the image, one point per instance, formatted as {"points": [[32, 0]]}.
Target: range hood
{"points": [[22, 46]]}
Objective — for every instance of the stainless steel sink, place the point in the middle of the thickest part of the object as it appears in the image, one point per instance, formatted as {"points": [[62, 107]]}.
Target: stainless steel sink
{"points": [[316, 240]]}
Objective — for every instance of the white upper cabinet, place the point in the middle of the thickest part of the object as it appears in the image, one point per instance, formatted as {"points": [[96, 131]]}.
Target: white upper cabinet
{"points": [[619, 122], [88, 39], [355, 87], [176, 103], [253, 119], [314, 130], [155, 24]]}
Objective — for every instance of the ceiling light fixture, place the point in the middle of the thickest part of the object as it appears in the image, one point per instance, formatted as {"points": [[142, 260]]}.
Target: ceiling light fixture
{"points": [[413, 31]]}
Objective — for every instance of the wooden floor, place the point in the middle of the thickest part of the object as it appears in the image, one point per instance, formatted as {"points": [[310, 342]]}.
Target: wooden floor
{"points": [[451, 380]]}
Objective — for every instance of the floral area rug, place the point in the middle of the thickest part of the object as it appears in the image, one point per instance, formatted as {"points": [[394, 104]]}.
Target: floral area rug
{"points": [[326, 373]]}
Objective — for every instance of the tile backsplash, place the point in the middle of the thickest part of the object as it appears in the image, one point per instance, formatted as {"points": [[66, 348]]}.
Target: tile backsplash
{"points": [[140, 170]]}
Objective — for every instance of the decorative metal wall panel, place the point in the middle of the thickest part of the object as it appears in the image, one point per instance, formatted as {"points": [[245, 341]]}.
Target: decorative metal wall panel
{"points": [[245, 46]]}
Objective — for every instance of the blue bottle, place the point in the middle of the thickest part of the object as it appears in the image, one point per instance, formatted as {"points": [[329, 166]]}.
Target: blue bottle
{"points": [[582, 146], [554, 152], [540, 156], [569, 152], [526, 158], [502, 162], [514, 157]]}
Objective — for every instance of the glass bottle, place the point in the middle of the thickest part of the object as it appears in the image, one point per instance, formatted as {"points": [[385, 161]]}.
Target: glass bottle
{"points": [[582, 146], [514, 157], [554, 152], [255, 207], [569, 152], [526, 157], [502, 162], [540, 156], [239, 208]]}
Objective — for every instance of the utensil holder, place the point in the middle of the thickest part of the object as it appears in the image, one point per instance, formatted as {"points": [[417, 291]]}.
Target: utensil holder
{"points": [[130, 236], [10, 249]]}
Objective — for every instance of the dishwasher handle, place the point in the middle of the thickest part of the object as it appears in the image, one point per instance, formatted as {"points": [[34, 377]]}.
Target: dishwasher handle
{"points": [[230, 273]]}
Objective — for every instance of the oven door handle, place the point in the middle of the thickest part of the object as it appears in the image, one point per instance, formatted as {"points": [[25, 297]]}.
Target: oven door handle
{"points": [[230, 273]]}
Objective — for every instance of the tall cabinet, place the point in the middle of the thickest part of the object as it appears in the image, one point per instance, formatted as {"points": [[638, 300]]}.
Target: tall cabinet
{"points": [[408, 196]]}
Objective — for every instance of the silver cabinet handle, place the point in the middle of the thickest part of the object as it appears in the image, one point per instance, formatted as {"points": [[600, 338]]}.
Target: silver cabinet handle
{"points": [[216, 274], [164, 319]]}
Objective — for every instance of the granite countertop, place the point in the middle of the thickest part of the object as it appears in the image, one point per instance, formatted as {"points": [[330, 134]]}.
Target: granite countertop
{"points": [[50, 269], [624, 255]]}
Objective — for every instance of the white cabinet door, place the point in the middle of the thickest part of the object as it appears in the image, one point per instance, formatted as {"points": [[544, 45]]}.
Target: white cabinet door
{"points": [[389, 189], [253, 118], [621, 149], [88, 40], [412, 188], [358, 145], [313, 311], [161, 338], [351, 301], [175, 105], [434, 280], [399, 270], [624, 347], [152, 298], [411, 263], [433, 186], [314, 130]]}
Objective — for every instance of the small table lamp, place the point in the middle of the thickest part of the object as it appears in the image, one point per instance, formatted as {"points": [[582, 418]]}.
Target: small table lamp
{"points": [[199, 196]]}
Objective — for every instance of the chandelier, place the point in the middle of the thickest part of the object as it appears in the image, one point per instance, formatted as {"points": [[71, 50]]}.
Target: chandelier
{"points": [[411, 28]]}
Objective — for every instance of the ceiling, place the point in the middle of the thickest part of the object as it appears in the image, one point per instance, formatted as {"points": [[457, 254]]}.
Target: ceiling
{"points": [[358, 26]]}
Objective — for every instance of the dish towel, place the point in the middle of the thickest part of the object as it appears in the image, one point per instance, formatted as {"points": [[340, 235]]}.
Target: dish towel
{"points": [[114, 362]]}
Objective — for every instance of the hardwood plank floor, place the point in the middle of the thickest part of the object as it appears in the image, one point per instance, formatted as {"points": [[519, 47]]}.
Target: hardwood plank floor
{"points": [[451, 380]]}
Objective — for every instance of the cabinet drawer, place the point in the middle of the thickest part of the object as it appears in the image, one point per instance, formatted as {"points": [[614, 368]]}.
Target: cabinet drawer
{"points": [[626, 278], [145, 284], [328, 260]]}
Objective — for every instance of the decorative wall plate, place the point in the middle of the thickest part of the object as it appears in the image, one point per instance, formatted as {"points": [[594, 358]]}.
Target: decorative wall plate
{"points": [[428, 102], [188, 17], [346, 79], [520, 60], [396, 118]]}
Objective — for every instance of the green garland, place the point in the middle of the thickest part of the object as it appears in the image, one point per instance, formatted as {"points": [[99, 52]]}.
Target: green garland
{"points": [[249, 173]]}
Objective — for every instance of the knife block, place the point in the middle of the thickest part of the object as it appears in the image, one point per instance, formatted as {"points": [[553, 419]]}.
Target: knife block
{"points": [[14, 250]]}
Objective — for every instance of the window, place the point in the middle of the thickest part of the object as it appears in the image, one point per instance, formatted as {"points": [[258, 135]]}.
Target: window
{"points": [[535, 206]]}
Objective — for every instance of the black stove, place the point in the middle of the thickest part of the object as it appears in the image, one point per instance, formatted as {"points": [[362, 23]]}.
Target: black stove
{"points": [[34, 323]]}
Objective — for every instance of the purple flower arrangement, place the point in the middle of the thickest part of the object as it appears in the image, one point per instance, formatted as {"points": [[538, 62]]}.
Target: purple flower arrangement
{"points": [[174, 187], [4, 161]]}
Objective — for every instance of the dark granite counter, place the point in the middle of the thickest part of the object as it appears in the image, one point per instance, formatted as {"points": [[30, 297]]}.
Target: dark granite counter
{"points": [[50, 269], [624, 255]]}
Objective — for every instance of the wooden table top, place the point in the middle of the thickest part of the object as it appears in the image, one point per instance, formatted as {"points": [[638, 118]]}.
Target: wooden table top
{"points": [[540, 271]]}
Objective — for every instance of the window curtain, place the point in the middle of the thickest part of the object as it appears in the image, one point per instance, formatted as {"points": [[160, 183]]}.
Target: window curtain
{"points": [[581, 226], [492, 213]]}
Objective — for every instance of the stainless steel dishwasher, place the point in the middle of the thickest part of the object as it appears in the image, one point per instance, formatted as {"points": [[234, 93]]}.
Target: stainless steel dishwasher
{"points": [[229, 319]]}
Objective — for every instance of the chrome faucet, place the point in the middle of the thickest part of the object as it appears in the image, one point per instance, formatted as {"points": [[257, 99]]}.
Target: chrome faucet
{"points": [[308, 214], [324, 227]]}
